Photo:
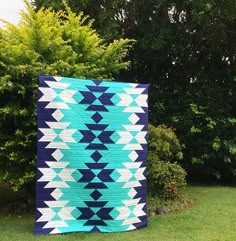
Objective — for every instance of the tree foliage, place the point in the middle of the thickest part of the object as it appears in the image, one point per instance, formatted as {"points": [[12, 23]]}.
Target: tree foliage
{"points": [[187, 51], [178, 42], [45, 42]]}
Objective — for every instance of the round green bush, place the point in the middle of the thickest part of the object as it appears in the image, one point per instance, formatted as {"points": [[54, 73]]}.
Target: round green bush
{"points": [[163, 142]]}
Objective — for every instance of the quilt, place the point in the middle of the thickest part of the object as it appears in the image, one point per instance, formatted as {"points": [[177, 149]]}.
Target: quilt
{"points": [[91, 156]]}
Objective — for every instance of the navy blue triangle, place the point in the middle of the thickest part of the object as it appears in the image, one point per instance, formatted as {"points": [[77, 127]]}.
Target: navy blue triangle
{"points": [[97, 82], [97, 88], [95, 185], [97, 108], [96, 147], [95, 229], [95, 222], [96, 165]]}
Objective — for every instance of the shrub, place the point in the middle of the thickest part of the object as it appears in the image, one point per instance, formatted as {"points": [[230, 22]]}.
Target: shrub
{"points": [[166, 179], [165, 176], [163, 142]]}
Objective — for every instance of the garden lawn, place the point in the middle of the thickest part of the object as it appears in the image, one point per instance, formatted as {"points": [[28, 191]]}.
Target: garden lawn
{"points": [[212, 218]]}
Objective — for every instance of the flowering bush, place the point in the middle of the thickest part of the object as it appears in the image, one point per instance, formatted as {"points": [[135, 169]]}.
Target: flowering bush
{"points": [[166, 179], [165, 176]]}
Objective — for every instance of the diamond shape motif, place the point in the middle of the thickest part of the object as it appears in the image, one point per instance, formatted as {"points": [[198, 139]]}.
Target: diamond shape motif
{"points": [[132, 193], [96, 156], [133, 118], [57, 154], [57, 193], [58, 115], [133, 155], [97, 117], [96, 195]]}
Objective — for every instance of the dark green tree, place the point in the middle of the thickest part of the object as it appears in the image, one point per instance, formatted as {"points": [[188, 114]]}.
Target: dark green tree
{"points": [[44, 42], [187, 51]]}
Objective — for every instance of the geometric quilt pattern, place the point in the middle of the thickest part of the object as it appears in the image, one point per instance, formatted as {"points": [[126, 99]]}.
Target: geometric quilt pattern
{"points": [[91, 157]]}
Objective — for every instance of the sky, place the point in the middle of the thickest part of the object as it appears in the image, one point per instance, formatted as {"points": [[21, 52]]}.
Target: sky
{"points": [[9, 10]]}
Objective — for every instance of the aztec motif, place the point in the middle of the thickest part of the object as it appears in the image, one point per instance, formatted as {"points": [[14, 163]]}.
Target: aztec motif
{"points": [[91, 159]]}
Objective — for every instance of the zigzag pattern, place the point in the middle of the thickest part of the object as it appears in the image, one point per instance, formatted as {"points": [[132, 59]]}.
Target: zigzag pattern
{"points": [[91, 160]]}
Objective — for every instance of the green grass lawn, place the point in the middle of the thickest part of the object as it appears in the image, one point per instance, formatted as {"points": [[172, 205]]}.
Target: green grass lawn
{"points": [[213, 218]]}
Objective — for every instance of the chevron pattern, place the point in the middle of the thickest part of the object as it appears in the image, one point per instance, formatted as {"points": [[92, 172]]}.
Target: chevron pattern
{"points": [[92, 152]]}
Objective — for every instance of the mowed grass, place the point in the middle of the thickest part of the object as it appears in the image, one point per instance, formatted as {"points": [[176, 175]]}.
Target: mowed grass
{"points": [[212, 218]]}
